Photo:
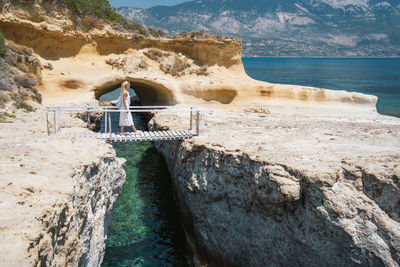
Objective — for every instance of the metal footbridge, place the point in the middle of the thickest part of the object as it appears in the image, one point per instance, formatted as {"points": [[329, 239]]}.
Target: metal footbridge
{"points": [[55, 124]]}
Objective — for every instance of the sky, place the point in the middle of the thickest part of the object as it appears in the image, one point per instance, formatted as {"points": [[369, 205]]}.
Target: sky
{"points": [[145, 3]]}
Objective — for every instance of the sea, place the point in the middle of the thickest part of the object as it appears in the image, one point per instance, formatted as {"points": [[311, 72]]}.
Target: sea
{"points": [[145, 228], [375, 76]]}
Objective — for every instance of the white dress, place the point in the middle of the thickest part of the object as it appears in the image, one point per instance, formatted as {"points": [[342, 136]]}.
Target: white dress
{"points": [[125, 117]]}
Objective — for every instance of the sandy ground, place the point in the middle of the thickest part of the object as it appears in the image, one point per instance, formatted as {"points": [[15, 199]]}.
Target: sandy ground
{"points": [[35, 173]]}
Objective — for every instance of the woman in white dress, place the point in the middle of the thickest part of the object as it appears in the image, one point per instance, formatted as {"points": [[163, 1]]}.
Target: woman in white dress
{"points": [[125, 117]]}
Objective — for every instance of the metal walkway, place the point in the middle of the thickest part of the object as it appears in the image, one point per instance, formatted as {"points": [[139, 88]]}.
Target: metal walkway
{"points": [[137, 137], [108, 135]]}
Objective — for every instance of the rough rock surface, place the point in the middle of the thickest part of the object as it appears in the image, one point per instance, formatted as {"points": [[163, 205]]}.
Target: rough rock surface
{"points": [[317, 185], [89, 59], [288, 189], [56, 195]]}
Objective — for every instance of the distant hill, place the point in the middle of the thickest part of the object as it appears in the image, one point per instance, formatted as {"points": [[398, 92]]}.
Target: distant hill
{"points": [[289, 27]]}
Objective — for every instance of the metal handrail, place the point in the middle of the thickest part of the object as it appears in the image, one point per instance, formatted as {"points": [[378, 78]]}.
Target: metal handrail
{"points": [[90, 108], [134, 109], [111, 109]]}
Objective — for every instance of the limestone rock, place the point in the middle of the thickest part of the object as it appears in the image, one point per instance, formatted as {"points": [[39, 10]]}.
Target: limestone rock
{"points": [[164, 70], [56, 195], [288, 189]]}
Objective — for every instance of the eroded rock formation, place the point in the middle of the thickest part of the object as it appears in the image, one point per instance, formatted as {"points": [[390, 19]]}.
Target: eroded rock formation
{"points": [[314, 181], [75, 231], [89, 55], [56, 194], [288, 189]]}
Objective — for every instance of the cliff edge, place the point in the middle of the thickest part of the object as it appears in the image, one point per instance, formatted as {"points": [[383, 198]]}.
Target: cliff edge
{"points": [[87, 56], [288, 189], [314, 181]]}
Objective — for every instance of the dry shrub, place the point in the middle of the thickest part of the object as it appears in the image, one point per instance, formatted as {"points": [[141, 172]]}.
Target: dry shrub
{"points": [[25, 80], [118, 63], [3, 47], [3, 98], [4, 116], [180, 65], [204, 35], [156, 32], [24, 105], [202, 71], [156, 54], [177, 68]]}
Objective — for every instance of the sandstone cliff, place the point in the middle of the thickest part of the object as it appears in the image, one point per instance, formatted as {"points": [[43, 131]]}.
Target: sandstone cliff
{"points": [[288, 189], [86, 56], [56, 195]]}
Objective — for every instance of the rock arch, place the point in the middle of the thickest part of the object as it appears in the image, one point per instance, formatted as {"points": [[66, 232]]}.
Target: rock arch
{"points": [[149, 92]]}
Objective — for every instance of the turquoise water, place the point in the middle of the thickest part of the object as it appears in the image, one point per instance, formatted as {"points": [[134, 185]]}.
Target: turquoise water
{"points": [[376, 76], [114, 95], [145, 229]]}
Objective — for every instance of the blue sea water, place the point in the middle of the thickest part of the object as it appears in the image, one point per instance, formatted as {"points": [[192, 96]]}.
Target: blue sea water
{"points": [[376, 76]]}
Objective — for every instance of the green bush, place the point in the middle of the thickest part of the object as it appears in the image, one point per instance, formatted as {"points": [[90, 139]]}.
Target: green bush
{"points": [[4, 116], [102, 9], [3, 47], [24, 105]]}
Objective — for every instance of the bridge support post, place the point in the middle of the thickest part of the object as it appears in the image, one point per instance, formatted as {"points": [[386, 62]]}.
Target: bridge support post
{"points": [[110, 125], [198, 123], [47, 123], [105, 123], [88, 119], [56, 121], [191, 118]]}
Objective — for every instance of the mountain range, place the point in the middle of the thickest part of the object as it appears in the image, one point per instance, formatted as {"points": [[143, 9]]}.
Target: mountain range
{"points": [[287, 27]]}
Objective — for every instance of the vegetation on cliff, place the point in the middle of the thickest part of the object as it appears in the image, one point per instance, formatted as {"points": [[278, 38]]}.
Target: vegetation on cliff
{"points": [[3, 47], [20, 73], [102, 9], [175, 64]]}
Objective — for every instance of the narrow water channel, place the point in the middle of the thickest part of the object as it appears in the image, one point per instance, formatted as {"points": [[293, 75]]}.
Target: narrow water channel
{"points": [[145, 229]]}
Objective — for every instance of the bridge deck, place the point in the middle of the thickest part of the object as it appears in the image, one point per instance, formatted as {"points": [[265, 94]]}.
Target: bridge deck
{"points": [[138, 137]]}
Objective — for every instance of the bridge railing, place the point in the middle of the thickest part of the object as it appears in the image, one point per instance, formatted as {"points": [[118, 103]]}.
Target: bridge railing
{"points": [[194, 115]]}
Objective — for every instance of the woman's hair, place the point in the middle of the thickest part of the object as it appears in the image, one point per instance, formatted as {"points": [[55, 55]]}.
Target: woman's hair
{"points": [[125, 86]]}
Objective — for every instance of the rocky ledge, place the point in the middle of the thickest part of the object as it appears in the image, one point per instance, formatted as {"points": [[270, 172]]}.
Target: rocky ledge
{"points": [[87, 57], [56, 195], [288, 189]]}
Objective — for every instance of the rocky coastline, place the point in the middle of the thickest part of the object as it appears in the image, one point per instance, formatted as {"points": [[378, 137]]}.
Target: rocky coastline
{"points": [[264, 197], [56, 195], [281, 175]]}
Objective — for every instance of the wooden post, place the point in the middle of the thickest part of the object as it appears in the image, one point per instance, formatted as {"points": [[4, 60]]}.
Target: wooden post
{"points": [[47, 123], [105, 122], [191, 118], [198, 123], [110, 125]]}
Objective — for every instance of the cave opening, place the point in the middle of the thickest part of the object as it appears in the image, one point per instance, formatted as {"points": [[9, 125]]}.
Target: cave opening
{"points": [[149, 93]]}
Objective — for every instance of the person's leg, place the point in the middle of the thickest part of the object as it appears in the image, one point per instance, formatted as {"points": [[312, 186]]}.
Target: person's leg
{"points": [[133, 128], [122, 129]]}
